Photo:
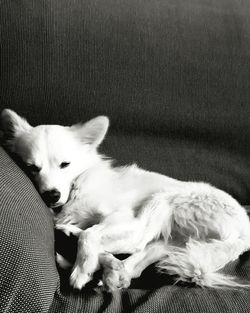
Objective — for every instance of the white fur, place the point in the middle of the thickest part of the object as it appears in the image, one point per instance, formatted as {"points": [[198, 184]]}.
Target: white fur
{"points": [[191, 229]]}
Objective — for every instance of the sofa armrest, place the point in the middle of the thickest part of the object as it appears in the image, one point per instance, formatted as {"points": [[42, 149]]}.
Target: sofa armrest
{"points": [[28, 274]]}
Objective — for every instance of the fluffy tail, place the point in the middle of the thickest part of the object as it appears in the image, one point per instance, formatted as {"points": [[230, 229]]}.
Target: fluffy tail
{"points": [[199, 262]]}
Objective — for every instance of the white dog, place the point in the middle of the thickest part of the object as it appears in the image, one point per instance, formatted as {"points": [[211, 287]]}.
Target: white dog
{"points": [[190, 229]]}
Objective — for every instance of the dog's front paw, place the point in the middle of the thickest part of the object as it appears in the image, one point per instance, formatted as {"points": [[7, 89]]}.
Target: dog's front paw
{"points": [[62, 218], [115, 275], [69, 229], [115, 279], [62, 262], [79, 279]]}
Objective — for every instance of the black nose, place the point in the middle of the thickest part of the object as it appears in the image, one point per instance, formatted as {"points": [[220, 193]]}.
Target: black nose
{"points": [[51, 196]]}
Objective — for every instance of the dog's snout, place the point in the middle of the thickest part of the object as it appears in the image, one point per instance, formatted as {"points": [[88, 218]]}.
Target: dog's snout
{"points": [[51, 196]]}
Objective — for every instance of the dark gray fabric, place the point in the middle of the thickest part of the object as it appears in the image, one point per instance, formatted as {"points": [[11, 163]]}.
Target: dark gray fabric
{"points": [[28, 276], [163, 64], [165, 299]]}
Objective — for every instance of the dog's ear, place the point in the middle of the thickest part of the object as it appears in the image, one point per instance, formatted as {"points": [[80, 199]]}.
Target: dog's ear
{"points": [[93, 131], [12, 124]]}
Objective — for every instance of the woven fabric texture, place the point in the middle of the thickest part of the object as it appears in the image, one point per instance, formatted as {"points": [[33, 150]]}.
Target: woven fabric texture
{"points": [[28, 275], [165, 299]]}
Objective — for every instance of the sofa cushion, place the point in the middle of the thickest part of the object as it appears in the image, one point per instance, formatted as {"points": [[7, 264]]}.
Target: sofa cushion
{"points": [[28, 275]]}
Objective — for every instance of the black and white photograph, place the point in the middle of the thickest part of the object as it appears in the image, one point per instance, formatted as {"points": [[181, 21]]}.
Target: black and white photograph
{"points": [[124, 156]]}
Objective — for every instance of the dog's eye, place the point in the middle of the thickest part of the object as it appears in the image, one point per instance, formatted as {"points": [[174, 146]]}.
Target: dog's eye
{"points": [[64, 164], [33, 168]]}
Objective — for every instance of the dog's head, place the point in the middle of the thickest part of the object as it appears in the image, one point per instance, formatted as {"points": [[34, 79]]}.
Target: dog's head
{"points": [[55, 155]]}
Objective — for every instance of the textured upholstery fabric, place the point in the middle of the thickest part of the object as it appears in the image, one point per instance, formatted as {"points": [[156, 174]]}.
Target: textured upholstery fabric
{"points": [[161, 300], [173, 76], [28, 275]]}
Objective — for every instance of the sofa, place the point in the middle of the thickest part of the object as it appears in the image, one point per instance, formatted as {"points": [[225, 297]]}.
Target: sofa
{"points": [[174, 78]]}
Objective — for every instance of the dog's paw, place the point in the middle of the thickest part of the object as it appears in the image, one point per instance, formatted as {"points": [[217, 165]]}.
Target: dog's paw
{"points": [[65, 228], [69, 229], [62, 262], [79, 279], [64, 217], [115, 275], [115, 279]]}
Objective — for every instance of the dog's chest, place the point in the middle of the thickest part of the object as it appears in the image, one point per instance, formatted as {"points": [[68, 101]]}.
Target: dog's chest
{"points": [[94, 192], [91, 198], [103, 191]]}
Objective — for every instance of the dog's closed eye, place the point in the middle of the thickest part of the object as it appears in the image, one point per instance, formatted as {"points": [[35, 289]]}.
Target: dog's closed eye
{"points": [[33, 168], [64, 164]]}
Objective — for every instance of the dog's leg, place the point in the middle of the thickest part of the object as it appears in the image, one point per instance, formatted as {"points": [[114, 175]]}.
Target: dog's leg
{"points": [[113, 268], [138, 262], [68, 229], [114, 275], [95, 241], [118, 274], [62, 262], [121, 233]]}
